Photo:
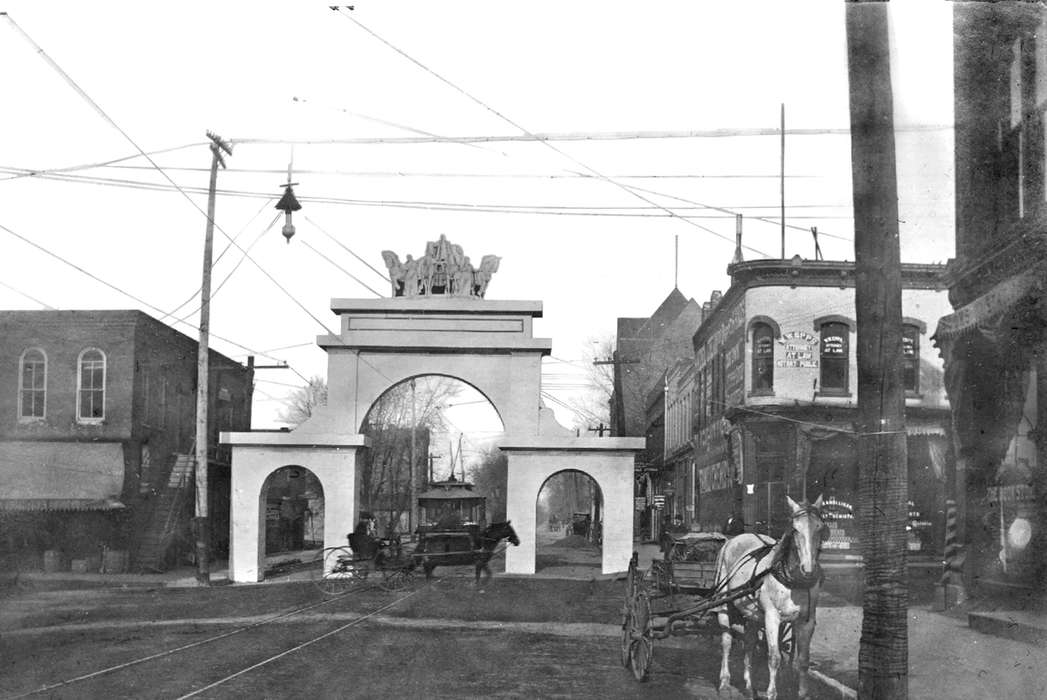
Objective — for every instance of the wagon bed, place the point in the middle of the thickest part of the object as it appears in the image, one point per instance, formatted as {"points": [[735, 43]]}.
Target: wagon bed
{"points": [[677, 596]]}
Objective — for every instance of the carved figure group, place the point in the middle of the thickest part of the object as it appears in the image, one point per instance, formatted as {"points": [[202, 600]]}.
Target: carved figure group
{"points": [[443, 270]]}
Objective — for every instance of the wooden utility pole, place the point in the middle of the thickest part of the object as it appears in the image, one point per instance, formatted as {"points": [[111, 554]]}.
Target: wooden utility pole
{"points": [[882, 455], [202, 527], [413, 512]]}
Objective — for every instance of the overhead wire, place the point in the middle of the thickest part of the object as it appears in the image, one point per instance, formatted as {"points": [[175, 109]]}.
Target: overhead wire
{"points": [[546, 143], [541, 210], [27, 296], [349, 274], [347, 249]]}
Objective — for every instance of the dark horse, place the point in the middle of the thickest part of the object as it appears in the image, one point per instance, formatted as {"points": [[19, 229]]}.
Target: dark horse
{"points": [[482, 549]]}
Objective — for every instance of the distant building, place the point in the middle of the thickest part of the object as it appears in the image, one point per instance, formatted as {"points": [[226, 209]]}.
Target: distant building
{"points": [[995, 344], [645, 348], [97, 427], [776, 399]]}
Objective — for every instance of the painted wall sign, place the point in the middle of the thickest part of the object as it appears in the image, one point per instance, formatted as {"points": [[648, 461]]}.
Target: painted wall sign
{"points": [[715, 477]]}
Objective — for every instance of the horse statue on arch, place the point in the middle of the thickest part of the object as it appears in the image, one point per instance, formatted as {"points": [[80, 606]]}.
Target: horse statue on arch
{"points": [[788, 579]]}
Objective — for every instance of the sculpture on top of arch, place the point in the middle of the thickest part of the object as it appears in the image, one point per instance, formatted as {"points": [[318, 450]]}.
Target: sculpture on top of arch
{"points": [[444, 270]]}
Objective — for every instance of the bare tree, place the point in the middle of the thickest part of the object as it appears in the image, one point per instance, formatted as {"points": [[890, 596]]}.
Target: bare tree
{"points": [[385, 478], [303, 401]]}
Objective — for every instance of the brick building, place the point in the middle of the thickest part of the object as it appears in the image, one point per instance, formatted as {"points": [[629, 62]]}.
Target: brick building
{"points": [[644, 349], [97, 426], [776, 398]]}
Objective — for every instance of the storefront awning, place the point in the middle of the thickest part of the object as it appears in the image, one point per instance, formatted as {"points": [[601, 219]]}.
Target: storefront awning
{"points": [[60, 476], [988, 307]]}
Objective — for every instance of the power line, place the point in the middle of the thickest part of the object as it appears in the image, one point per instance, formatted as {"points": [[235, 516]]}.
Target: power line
{"points": [[112, 163], [546, 143], [542, 137], [348, 250], [30, 298], [351, 275], [433, 174], [550, 210], [119, 290]]}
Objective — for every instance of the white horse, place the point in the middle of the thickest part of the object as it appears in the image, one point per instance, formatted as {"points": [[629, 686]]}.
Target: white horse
{"points": [[787, 579]]}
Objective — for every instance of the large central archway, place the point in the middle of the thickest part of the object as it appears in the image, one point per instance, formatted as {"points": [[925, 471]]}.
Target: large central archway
{"points": [[384, 342]]}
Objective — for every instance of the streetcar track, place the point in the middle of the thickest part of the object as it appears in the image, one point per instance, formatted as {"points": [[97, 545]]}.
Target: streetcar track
{"points": [[185, 647], [297, 647]]}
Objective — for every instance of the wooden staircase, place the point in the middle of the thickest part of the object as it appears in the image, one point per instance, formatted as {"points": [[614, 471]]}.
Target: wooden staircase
{"points": [[151, 553]]}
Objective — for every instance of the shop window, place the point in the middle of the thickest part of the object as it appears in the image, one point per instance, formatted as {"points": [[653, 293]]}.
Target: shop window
{"points": [[911, 358], [32, 388], [835, 357], [90, 390], [763, 359]]}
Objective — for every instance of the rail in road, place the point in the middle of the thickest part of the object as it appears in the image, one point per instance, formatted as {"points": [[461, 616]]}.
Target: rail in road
{"points": [[135, 665]]}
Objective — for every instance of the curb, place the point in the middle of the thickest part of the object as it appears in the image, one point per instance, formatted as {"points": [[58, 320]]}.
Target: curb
{"points": [[832, 685]]}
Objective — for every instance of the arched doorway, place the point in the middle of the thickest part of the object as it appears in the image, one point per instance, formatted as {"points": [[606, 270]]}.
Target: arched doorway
{"points": [[569, 516], [294, 511], [423, 430]]}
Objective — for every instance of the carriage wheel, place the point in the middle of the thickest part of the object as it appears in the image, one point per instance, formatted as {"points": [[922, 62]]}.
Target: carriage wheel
{"points": [[335, 572], [641, 651], [640, 656], [396, 579], [628, 611]]}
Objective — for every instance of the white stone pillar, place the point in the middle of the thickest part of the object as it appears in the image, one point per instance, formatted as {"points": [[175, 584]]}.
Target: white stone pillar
{"points": [[522, 495]]}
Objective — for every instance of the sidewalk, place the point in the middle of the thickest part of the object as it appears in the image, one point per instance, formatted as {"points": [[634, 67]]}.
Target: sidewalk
{"points": [[947, 658]]}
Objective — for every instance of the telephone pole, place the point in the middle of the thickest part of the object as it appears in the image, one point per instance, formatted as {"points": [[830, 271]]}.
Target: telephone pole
{"points": [[882, 454], [413, 511], [202, 527]]}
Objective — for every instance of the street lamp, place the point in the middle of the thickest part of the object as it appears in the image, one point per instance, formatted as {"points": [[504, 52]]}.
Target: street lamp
{"points": [[288, 203]]}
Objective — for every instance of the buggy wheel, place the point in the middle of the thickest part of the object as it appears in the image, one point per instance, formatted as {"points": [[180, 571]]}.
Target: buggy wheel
{"points": [[334, 570], [641, 649], [640, 656], [627, 637], [396, 579]]}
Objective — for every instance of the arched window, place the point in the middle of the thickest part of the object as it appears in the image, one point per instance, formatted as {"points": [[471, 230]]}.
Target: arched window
{"points": [[763, 358], [32, 385], [835, 357], [911, 358], [90, 390]]}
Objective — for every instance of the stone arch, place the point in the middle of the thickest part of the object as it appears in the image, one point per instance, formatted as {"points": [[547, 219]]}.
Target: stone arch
{"points": [[332, 460], [607, 461], [296, 478], [487, 344]]}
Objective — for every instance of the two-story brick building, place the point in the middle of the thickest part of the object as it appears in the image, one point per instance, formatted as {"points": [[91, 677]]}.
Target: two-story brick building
{"points": [[97, 426], [776, 397]]}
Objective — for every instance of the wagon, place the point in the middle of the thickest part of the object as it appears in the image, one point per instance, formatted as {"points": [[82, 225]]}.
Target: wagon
{"points": [[676, 597], [339, 569]]}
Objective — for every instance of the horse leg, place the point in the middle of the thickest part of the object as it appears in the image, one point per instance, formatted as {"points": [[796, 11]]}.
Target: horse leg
{"points": [[428, 571], [751, 629], [771, 623], [725, 644], [803, 630]]}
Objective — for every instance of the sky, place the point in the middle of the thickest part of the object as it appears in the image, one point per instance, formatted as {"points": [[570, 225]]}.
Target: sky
{"points": [[590, 226]]}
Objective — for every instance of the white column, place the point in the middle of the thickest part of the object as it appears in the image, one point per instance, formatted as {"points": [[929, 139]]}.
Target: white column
{"points": [[522, 492], [247, 515]]}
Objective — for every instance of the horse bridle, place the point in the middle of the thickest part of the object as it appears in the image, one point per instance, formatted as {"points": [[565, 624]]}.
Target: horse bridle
{"points": [[788, 574]]}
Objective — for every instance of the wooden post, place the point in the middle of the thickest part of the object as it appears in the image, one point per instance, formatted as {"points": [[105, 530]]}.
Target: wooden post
{"points": [[882, 455], [412, 518], [202, 528]]}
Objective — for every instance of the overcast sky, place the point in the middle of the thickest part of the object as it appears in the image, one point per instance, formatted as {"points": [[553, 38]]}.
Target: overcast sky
{"points": [[572, 225]]}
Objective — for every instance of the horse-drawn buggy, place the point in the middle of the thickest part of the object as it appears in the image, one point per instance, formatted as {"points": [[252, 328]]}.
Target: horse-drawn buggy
{"points": [[365, 559], [709, 584]]}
